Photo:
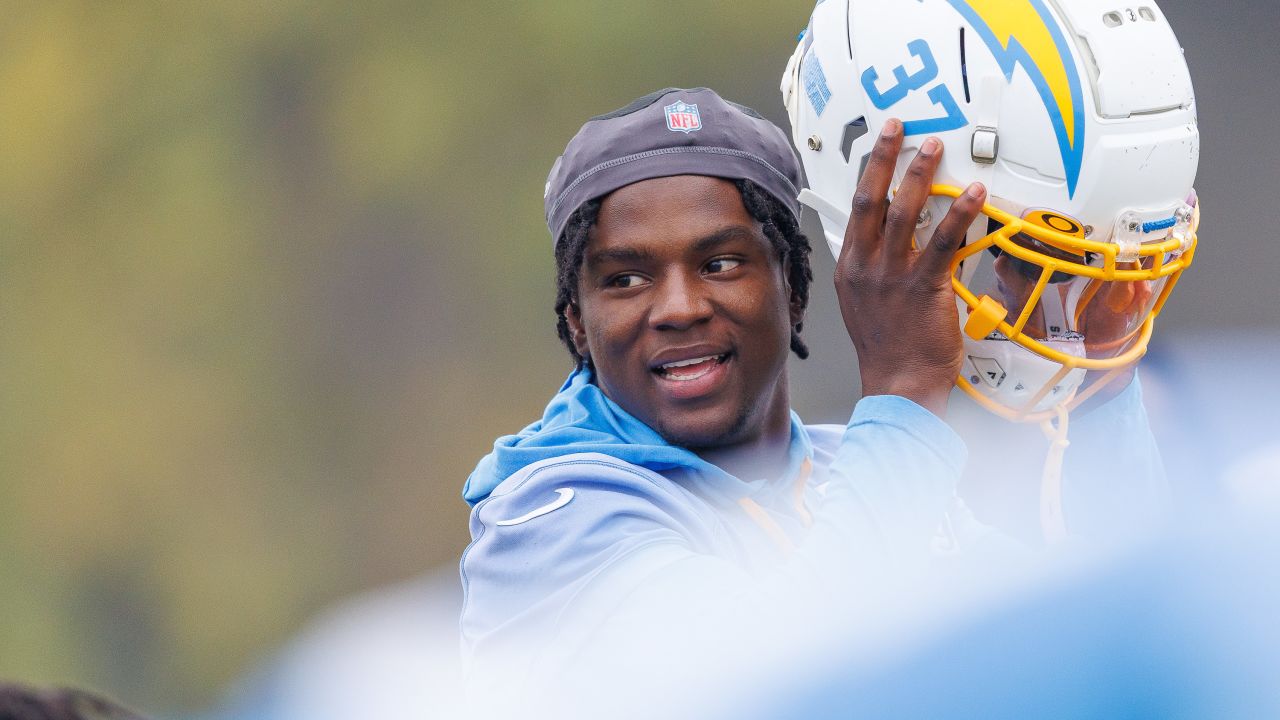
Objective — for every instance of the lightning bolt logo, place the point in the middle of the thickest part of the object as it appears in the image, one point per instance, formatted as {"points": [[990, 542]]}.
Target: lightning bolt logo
{"points": [[1023, 32]]}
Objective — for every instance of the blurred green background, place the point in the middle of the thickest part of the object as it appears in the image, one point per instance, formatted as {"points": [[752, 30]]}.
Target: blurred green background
{"points": [[274, 275]]}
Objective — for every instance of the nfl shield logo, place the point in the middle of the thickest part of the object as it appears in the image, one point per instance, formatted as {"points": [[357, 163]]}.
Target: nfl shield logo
{"points": [[683, 117]]}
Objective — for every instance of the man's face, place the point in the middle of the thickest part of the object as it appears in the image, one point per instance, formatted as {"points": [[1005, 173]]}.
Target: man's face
{"points": [[685, 312]]}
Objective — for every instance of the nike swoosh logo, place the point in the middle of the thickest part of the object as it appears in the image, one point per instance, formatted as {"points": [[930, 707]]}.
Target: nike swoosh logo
{"points": [[566, 494]]}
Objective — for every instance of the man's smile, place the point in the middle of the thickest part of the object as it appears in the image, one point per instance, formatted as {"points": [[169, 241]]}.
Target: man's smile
{"points": [[685, 370], [685, 374]]}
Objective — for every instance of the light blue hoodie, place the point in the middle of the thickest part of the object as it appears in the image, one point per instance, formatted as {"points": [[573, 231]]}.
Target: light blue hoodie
{"points": [[581, 419], [588, 522]]}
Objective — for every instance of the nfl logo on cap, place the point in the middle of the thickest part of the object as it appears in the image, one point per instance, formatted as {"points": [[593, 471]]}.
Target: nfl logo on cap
{"points": [[683, 117]]}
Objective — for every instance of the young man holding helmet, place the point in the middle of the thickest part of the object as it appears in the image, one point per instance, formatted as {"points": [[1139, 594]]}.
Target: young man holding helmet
{"points": [[668, 478], [669, 473]]}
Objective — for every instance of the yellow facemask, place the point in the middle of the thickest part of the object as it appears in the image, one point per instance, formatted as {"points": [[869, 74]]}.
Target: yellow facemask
{"points": [[1047, 288]]}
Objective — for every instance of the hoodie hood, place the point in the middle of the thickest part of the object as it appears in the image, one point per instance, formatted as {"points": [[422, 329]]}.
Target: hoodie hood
{"points": [[581, 419]]}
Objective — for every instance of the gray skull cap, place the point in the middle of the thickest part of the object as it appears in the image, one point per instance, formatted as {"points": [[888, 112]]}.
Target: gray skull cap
{"points": [[671, 132]]}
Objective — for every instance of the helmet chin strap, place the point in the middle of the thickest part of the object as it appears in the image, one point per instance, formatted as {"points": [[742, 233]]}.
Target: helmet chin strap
{"points": [[1052, 521], [1061, 312], [1058, 314], [1057, 318]]}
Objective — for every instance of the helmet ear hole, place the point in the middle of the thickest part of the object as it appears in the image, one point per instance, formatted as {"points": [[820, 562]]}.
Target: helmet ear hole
{"points": [[854, 130], [862, 165]]}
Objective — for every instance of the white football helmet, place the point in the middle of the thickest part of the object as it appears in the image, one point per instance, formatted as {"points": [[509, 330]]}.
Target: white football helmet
{"points": [[1077, 115]]}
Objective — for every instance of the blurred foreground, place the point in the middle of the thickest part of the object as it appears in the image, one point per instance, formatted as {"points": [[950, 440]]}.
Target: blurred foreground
{"points": [[273, 277]]}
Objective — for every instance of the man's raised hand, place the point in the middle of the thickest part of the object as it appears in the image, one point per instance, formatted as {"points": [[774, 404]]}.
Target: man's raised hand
{"points": [[897, 301]]}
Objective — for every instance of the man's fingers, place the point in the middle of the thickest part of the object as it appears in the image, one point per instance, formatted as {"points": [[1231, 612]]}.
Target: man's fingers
{"points": [[862, 236], [935, 260], [904, 211]]}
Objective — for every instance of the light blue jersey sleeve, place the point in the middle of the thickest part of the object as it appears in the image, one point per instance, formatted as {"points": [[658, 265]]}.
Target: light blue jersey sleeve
{"points": [[581, 559], [1113, 478], [891, 482]]}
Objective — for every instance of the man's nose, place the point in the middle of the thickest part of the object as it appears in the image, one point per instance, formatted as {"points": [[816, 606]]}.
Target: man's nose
{"points": [[680, 303]]}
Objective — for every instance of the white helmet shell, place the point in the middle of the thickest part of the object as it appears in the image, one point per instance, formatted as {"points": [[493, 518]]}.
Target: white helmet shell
{"points": [[1083, 108]]}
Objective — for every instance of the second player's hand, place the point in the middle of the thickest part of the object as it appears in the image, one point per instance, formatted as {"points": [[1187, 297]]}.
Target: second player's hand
{"points": [[897, 302]]}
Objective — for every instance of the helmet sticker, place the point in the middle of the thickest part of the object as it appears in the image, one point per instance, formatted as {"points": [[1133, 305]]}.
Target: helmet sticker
{"points": [[907, 83], [989, 371], [1023, 32], [815, 83], [1056, 221]]}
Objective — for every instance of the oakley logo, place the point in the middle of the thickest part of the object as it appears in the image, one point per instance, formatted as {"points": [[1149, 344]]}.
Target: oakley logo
{"points": [[566, 494]]}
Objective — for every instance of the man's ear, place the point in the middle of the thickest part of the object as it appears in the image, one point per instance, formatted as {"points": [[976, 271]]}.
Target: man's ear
{"points": [[795, 304], [797, 311], [577, 332]]}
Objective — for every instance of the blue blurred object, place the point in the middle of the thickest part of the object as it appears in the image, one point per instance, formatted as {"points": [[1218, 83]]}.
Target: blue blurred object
{"points": [[1181, 628], [389, 655]]}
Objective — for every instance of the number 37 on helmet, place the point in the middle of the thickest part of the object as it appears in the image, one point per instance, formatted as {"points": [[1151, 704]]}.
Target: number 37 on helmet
{"points": [[1080, 119]]}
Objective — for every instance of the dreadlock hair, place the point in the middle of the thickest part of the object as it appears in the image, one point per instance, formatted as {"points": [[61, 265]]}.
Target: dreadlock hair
{"points": [[18, 702], [779, 226]]}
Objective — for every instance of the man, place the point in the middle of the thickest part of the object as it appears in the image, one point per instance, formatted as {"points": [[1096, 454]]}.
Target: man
{"points": [[668, 478]]}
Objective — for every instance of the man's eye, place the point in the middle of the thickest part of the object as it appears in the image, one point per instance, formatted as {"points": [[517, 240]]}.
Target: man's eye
{"points": [[625, 280], [720, 265]]}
